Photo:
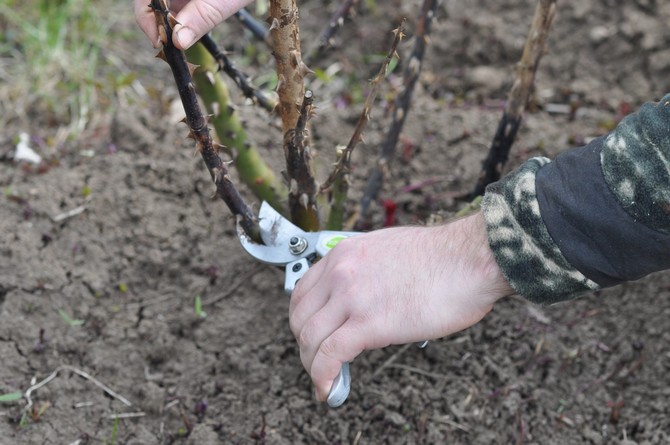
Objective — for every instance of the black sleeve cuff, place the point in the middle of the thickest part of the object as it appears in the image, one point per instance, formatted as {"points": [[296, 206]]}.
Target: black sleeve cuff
{"points": [[594, 233]]}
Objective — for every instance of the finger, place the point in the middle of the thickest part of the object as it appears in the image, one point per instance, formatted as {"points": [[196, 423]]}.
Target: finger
{"points": [[317, 329], [198, 17], [306, 284], [343, 345], [144, 16]]}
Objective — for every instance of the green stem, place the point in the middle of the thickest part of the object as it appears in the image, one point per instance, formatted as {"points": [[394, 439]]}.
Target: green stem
{"points": [[251, 167]]}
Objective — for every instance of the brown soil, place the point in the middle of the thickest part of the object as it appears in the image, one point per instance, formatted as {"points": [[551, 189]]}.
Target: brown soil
{"points": [[151, 239]]}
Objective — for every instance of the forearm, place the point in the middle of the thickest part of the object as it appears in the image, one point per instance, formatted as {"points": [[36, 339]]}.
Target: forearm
{"points": [[594, 217]]}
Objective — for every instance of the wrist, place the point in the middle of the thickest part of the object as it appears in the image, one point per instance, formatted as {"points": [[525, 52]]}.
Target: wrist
{"points": [[472, 246]]}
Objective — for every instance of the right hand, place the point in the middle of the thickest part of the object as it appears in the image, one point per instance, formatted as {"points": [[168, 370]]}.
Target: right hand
{"points": [[196, 18], [393, 286]]}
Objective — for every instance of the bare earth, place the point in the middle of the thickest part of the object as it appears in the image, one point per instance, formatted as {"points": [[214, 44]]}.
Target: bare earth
{"points": [[150, 239]]}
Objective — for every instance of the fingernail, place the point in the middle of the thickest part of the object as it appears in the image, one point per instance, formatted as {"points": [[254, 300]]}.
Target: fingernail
{"points": [[186, 37]]}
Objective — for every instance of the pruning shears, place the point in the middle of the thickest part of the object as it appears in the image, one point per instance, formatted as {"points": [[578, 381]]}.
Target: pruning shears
{"points": [[289, 246]]}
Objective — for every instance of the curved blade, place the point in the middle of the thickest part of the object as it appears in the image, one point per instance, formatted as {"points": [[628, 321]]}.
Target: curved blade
{"points": [[275, 229], [276, 232]]}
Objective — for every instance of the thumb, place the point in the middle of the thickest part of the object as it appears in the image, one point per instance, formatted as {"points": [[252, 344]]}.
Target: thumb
{"points": [[198, 17]]}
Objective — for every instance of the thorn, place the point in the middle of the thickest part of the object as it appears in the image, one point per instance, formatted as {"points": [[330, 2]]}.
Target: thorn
{"points": [[293, 187], [210, 77], [294, 58], [183, 120], [281, 80], [162, 34], [218, 174], [161, 53], [192, 67], [216, 108], [274, 24], [304, 70], [172, 21], [304, 200]]}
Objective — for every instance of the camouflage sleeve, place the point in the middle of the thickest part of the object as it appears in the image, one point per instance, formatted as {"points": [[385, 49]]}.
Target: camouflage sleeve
{"points": [[595, 217]]}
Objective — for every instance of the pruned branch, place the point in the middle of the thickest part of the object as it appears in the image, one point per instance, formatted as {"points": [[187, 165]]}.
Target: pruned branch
{"points": [[241, 80], [401, 108], [302, 185], [196, 122], [518, 97], [294, 108]]}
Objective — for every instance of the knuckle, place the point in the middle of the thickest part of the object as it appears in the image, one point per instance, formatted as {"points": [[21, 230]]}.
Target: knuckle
{"points": [[329, 347]]}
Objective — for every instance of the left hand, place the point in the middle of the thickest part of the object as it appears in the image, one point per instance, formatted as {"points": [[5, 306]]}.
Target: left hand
{"points": [[196, 18]]}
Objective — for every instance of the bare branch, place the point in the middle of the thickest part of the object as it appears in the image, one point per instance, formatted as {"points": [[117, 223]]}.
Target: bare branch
{"points": [[401, 107], [343, 164], [522, 88], [241, 80]]}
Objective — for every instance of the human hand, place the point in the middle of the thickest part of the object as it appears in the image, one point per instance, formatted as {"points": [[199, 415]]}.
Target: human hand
{"points": [[196, 18], [393, 286]]}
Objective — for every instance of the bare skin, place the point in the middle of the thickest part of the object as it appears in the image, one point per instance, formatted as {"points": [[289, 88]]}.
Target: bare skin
{"points": [[196, 18], [392, 286]]}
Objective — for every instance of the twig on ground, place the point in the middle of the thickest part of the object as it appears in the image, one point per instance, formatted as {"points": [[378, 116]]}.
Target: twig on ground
{"points": [[69, 214], [518, 97], [241, 80], [27, 395], [389, 361], [416, 370], [197, 124], [126, 415], [244, 279], [450, 422], [401, 108]]}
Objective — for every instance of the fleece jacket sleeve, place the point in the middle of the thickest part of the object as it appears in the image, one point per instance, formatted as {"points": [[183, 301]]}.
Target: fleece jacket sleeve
{"points": [[596, 216]]}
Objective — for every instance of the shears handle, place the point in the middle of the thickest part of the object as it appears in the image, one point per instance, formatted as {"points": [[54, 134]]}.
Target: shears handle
{"points": [[342, 384]]}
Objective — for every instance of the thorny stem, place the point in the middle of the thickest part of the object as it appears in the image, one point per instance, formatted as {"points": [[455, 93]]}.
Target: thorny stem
{"points": [[401, 108], [241, 80], [250, 165], [294, 105], [197, 123], [302, 185], [343, 165], [518, 97]]}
